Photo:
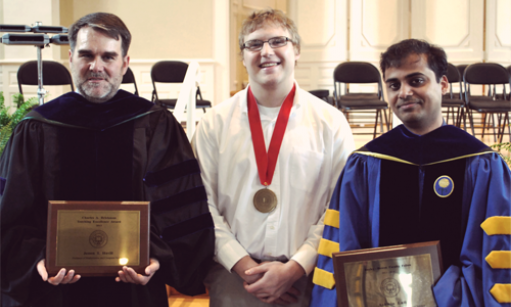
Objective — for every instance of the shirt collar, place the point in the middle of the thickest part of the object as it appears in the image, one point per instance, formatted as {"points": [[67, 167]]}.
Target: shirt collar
{"points": [[244, 106]]}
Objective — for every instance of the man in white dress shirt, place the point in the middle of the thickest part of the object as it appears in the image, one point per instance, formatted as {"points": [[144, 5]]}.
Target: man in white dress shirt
{"points": [[270, 157]]}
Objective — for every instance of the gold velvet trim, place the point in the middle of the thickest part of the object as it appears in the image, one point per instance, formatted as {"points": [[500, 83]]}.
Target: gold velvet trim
{"points": [[384, 157], [462, 157], [501, 293], [332, 218], [327, 247], [497, 225], [499, 259], [392, 158], [323, 278]]}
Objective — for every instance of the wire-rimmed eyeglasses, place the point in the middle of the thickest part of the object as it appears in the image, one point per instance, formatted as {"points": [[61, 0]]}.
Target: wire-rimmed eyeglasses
{"points": [[274, 42]]}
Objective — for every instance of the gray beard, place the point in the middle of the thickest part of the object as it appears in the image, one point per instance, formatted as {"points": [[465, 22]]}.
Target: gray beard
{"points": [[95, 99], [84, 89]]}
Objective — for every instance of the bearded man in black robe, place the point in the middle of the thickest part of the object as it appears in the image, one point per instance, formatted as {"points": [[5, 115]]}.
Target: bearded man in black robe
{"points": [[101, 144]]}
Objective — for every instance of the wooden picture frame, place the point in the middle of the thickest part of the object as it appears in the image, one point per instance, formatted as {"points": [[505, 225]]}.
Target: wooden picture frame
{"points": [[97, 238], [386, 276]]}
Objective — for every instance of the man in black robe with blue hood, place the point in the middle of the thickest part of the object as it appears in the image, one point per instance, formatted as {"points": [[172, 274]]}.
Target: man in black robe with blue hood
{"points": [[424, 181], [101, 144]]}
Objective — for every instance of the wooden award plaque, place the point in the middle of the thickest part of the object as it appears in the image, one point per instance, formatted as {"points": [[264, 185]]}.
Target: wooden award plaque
{"points": [[399, 275], [97, 238]]}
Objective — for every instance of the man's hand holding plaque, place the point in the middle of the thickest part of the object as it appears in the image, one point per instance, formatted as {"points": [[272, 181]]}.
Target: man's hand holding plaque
{"points": [[98, 238], [127, 274], [60, 278]]}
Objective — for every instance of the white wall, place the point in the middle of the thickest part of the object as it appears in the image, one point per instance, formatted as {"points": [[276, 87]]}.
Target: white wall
{"points": [[161, 30], [362, 29], [498, 31], [333, 31], [323, 27]]}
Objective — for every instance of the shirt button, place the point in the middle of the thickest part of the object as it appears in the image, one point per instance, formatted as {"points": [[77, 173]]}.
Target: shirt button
{"points": [[272, 227]]}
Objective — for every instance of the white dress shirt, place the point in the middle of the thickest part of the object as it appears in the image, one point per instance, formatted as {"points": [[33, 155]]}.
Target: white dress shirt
{"points": [[316, 145]]}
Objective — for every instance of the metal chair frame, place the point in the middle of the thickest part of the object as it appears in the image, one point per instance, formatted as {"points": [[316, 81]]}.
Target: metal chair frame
{"points": [[490, 74], [360, 73], [54, 73], [129, 78], [173, 72], [323, 95], [453, 101]]}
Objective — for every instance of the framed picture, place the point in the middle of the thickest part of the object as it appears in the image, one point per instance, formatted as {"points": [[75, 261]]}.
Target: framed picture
{"points": [[97, 238], [399, 275]]}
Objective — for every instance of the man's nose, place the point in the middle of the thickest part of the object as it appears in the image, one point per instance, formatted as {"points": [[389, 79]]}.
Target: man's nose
{"points": [[405, 91], [96, 65], [267, 49]]}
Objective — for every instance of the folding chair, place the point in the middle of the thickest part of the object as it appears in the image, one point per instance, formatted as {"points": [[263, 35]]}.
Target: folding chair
{"points": [[490, 74], [173, 72], [360, 72], [324, 95], [54, 73], [454, 101], [129, 78]]}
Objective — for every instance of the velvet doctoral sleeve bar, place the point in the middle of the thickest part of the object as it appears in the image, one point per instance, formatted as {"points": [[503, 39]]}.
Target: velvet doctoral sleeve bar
{"points": [[397, 174], [124, 149]]}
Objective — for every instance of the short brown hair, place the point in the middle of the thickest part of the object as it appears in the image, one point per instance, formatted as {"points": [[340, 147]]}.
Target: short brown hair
{"points": [[269, 16], [437, 59], [108, 24]]}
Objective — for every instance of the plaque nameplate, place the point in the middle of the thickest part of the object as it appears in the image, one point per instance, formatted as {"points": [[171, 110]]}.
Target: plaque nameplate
{"points": [[398, 276], [96, 238]]}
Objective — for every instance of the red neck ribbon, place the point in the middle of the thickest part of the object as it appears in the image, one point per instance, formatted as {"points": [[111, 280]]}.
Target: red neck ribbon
{"points": [[266, 162]]}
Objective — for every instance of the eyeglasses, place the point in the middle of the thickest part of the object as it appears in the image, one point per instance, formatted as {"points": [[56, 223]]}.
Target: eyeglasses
{"points": [[274, 42]]}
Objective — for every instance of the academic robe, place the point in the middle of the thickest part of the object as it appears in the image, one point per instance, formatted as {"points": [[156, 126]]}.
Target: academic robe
{"points": [[124, 149], [390, 193]]}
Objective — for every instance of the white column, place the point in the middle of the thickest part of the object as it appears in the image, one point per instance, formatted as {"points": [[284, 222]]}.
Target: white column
{"points": [[221, 49]]}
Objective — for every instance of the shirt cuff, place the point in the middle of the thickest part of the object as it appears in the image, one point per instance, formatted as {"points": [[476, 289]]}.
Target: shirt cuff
{"points": [[230, 253], [307, 257]]}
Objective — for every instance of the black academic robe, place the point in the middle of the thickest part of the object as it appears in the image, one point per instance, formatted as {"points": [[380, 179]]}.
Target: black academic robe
{"points": [[124, 149]]}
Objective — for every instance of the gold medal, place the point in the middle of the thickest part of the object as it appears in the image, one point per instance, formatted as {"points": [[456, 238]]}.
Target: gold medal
{"points": [[265, 200]]}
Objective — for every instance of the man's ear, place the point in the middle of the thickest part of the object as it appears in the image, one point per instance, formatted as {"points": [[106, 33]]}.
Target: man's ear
{"points": [[125, 64], [444, 84]]}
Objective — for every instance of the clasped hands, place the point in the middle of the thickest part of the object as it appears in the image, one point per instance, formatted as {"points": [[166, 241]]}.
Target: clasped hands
{"points": [[127, 275], [270, 282]]}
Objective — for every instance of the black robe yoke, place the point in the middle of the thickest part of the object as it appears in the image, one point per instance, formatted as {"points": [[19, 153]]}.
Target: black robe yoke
{"points": [[123, 149]]}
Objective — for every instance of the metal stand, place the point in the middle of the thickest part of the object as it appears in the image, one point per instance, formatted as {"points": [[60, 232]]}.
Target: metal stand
{"points": [[41, 92], [37, 40]]}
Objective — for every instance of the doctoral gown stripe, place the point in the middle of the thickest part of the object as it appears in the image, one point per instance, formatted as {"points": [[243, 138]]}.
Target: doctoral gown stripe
{"points": [[178, 200], [173, 172], [323, 278], [187, 227], [497, 225]]}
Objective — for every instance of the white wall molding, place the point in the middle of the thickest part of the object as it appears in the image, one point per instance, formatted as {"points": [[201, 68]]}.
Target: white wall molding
{"points": [[323, 26], [221, 52], [375, 25], [498, 32], [457, 26]]}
